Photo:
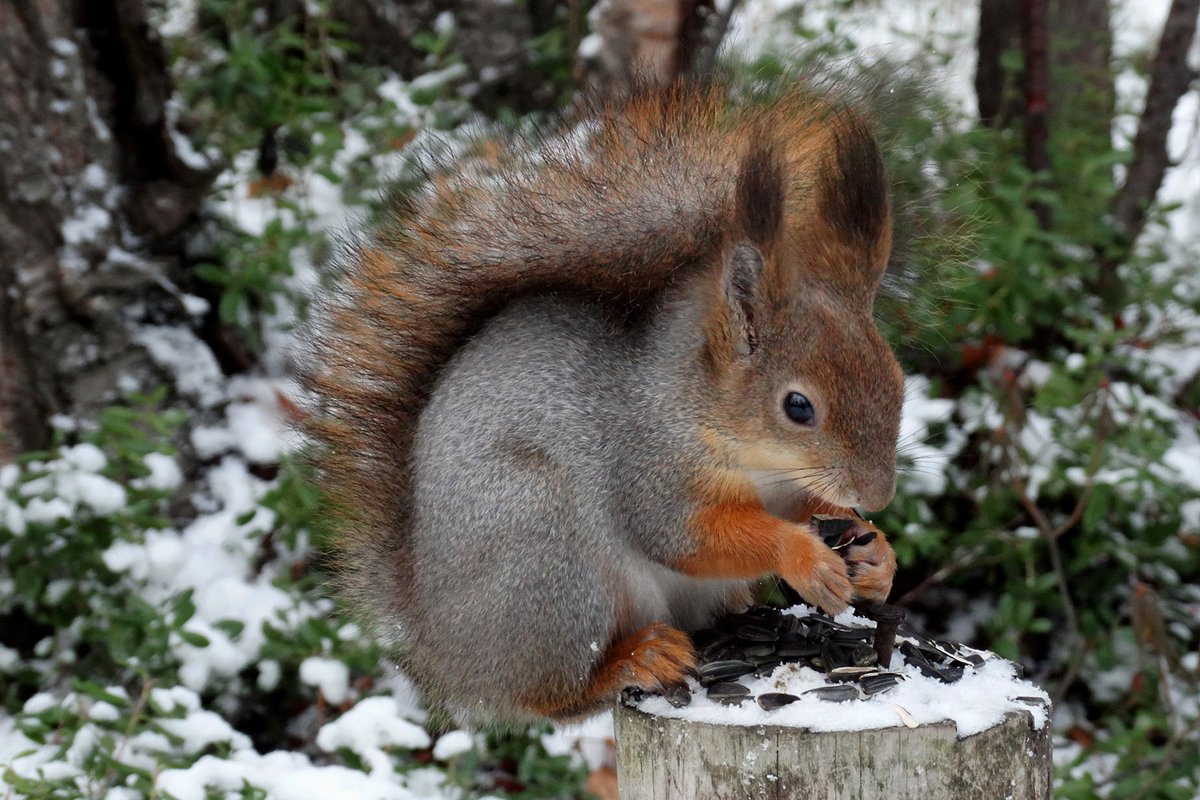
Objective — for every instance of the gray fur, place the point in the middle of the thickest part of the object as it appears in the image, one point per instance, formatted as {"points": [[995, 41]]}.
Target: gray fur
{"points": [[542, 500]]}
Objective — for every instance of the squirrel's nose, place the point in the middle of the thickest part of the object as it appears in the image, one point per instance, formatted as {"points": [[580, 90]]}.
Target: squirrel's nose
{"points": [[876, 494]]}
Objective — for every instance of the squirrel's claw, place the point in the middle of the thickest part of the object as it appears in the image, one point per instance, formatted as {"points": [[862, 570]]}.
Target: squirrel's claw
{"points": [[655, 658], [871, 562]]}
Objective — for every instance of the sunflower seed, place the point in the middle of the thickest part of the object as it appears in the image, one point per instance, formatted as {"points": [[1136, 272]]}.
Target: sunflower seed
{"points": [[828, 527], [752, 632], [773, 700], [678, 696], [908, 719], [878, 682], [727, 689], [835, 694], [843, 674], [797, 650], [716, 671], [758, 650]]}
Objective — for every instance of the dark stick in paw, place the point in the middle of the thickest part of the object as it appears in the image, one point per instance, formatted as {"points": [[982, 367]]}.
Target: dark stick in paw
{"points": [[887, 619]]}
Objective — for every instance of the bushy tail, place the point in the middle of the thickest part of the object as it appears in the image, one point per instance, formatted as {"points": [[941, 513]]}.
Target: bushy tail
{"points": [[616, 206]]}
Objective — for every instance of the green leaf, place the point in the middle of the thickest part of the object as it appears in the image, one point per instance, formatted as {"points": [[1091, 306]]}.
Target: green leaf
{"points": [[194, 639], [213, 274], [97, 692], [1097, 507], [230, 306], [183, 609]]}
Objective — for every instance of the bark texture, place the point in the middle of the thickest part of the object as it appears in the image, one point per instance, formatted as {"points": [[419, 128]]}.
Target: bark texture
{"points": [[646, 42], [1079, 79], [1170, 78], [1035, 81], [667, 759], [90, 182], [999, 33]]}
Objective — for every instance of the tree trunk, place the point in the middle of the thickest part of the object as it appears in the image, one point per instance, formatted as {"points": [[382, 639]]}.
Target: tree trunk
{"points": [[660, 758], [648, 42], [90, 183], [1035, 80], [995, 87], [1081, 75]]}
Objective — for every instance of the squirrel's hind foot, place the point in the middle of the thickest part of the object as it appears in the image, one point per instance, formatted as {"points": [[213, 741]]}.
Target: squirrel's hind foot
{"points": [[657, 658]]}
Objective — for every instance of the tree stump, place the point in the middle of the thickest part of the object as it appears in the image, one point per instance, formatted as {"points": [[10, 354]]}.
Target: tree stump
{"points": [[661, 758]]}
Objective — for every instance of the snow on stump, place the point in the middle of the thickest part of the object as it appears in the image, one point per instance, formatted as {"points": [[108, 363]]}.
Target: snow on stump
{"points": [[940, 722]]}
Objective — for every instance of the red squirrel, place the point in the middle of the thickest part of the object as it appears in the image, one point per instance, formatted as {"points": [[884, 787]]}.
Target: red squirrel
{"points": [[576, 396]]}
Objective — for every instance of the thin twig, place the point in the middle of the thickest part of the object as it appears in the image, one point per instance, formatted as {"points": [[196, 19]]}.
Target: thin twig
{"points": [[1169, 759], [134, 716], [1056, 564], [1103, 425], [1075, 639]]}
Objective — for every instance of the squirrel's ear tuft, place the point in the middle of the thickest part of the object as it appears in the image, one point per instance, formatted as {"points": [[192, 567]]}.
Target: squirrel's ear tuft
{"points": [[855, 186], [743, 274], [760, 194]]}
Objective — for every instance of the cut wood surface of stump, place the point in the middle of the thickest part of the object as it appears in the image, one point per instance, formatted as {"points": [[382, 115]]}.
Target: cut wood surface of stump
{"points": [[797, 704], [660, 758]]}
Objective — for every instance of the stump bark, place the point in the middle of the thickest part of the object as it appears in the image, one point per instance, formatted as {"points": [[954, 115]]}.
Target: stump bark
{"points": [[659, 758]]}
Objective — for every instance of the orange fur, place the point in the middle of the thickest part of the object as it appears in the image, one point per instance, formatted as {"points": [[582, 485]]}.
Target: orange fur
{"points": [[655, 658], [737, 538]]}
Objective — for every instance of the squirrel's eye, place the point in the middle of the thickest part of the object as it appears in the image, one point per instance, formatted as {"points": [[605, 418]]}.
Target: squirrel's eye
{"points": [[799, 409]]}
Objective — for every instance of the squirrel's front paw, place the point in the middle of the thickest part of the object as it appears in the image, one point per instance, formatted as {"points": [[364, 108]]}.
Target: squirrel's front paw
{"points": [[816, 572], [655, 658], [871, 562]]}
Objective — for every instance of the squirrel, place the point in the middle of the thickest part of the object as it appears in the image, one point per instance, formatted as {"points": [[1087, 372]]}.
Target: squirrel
{"points": [[575, 399]]}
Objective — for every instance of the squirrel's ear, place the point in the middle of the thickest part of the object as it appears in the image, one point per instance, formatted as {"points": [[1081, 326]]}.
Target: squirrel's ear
{"points": [[760, 190], [743, 274], [760, 195]]}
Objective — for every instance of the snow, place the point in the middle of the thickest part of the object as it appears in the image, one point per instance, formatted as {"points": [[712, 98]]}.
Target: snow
{"points": [[373, 724], [268, 674], [71, 483], [103, 711], [195, 306], [590, 46], [975, 703], [282, 774], [329, 675], [908, 32], [202, 728], [183, 145], [589, 738], [920, 412], [87, 223], [165, 474], [190, 362], [9, 658], [40, 702], [64, 47], [256, 421], [452, 745], [444, 23]]}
